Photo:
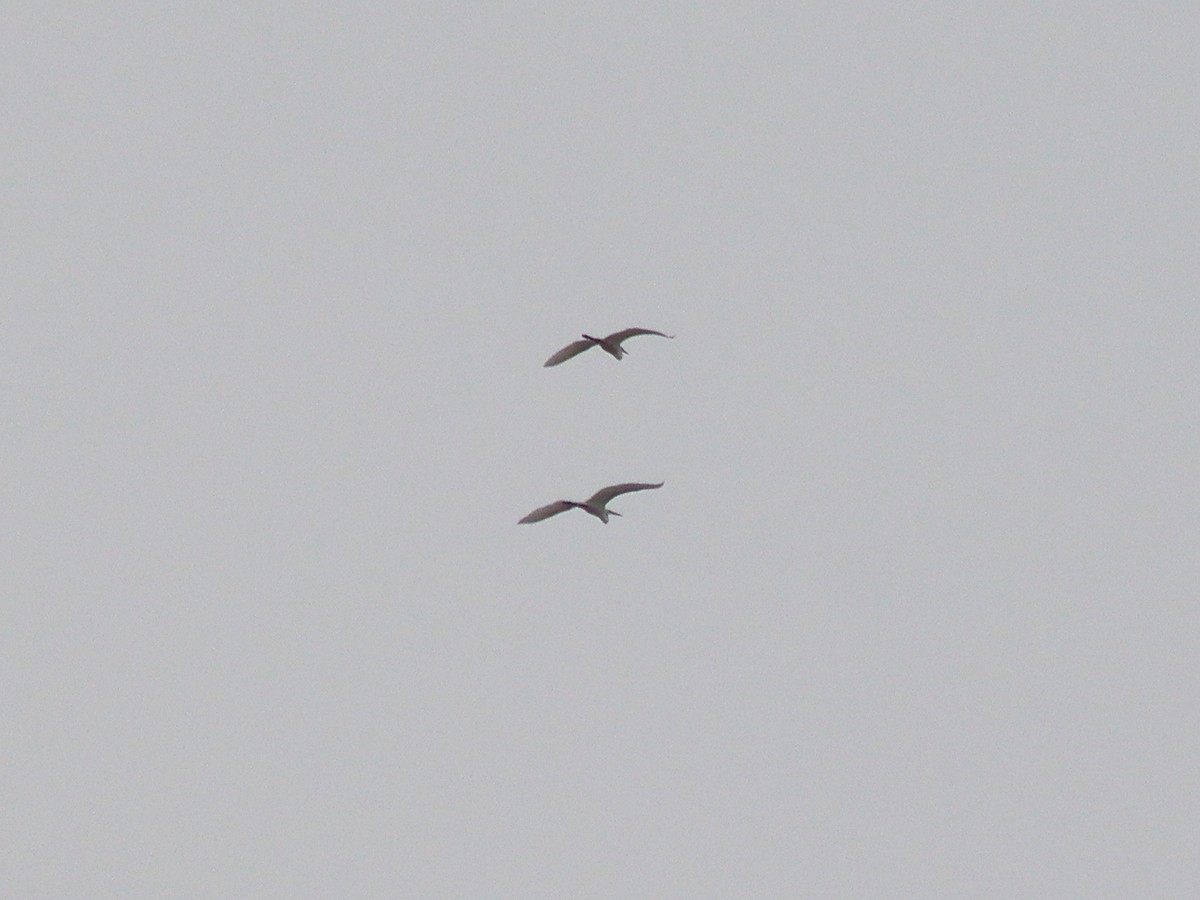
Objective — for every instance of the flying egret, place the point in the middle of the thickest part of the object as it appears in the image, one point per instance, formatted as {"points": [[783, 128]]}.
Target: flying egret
{"points": [[594, 504], [610, 344]]}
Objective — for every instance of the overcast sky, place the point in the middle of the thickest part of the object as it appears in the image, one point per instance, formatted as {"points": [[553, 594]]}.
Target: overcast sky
{"points": [[916, 611]]}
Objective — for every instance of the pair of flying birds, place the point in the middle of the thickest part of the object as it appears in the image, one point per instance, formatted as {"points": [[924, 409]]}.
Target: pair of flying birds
{"points": [[597, 503]]}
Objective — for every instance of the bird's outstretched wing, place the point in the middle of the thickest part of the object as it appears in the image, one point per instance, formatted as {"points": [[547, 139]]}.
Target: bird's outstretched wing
{"points": [[545, 512], [617, 336], [572, 349], [602, 496]]}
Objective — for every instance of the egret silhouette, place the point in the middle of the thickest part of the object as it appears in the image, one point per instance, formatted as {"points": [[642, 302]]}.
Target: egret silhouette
{"points": [[594, 504], [610, 344]]}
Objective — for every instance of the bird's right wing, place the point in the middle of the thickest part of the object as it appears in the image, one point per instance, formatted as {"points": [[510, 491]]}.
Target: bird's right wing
{"points": [[618, 336], [572, 349], [545, 512], [602, 496]]}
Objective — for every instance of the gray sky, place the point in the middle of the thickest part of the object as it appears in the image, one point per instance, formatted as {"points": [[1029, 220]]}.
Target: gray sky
{"points": [[916, 611]]}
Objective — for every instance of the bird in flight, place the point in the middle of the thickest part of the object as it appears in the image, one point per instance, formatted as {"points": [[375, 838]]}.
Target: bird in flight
{"points": [[610, 344], [594, 504]]}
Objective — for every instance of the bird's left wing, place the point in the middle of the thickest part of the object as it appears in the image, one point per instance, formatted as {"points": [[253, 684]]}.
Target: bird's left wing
{"points": [[572, 349], [602, 496], [545, 512]]}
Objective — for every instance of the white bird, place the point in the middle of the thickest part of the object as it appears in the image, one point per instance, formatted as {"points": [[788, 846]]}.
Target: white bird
{"points": [[594, 504], [610, 344]]}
